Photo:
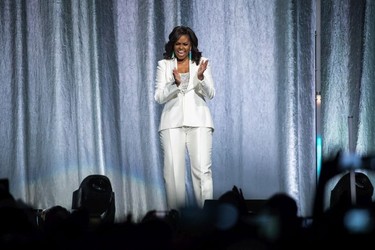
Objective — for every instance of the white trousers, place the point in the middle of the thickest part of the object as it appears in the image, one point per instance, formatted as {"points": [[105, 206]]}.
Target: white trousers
{"points": [[175, 143]]}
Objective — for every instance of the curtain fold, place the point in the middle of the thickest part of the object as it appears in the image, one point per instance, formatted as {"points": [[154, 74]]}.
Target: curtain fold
{"points": [[347, 81], [366, 129]]}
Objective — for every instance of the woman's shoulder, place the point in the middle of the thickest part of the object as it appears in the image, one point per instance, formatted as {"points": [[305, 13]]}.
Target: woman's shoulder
{"points": [[165, 61]]}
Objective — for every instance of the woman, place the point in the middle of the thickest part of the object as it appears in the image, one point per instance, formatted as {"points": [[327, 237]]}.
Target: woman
{"points": [[183, 84]]}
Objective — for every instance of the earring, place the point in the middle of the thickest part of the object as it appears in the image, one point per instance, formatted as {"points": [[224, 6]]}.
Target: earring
{"points": [[172, 55], [190, 55]]}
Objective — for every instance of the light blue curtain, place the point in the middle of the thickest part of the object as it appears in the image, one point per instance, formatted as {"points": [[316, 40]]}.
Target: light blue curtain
{"points": [[348, 76], [77, 86], [348, 81]]}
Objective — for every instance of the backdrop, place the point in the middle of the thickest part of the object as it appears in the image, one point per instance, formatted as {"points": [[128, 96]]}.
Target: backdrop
{"points": [[78, 79], [348, 79]]}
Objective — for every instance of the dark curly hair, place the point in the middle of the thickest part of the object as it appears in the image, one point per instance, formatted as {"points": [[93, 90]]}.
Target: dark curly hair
{"points": [[176, 33]]}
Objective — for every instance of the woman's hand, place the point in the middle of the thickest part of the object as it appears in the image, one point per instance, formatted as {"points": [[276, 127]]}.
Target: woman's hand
{"points": [[202, 68], [177, 77]]}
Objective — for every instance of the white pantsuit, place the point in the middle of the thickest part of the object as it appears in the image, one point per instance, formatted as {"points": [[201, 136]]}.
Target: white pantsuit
{"points": [[186, 126]]}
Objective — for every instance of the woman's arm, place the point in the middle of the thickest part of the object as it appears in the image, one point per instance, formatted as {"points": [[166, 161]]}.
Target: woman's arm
{"points": [[205, 85], [165, 88]]}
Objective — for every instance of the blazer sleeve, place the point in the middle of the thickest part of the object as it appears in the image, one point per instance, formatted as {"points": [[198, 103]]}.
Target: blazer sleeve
{"points": [[165, 88]]}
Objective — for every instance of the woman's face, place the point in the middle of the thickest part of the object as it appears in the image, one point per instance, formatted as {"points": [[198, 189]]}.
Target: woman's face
{"points": [[182, 47]]}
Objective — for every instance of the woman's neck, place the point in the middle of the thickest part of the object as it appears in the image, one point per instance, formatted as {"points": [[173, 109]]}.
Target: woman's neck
{"points": [[183, 65]]}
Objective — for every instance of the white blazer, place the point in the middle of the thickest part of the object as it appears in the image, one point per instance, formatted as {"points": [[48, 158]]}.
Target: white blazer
{"points": [[183, 108]]}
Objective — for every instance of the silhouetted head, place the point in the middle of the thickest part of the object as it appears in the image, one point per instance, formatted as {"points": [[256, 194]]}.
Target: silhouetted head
{"points": [[341, 196]]}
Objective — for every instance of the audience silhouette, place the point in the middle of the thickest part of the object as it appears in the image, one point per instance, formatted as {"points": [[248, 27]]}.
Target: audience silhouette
{"points": [[226, 223]]}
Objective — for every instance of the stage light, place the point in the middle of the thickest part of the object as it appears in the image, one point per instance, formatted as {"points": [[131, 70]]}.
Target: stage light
{"points": [[96, 197]]}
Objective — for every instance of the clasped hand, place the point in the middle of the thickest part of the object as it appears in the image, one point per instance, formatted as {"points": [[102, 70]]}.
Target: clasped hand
{"points": [[202, 68]]}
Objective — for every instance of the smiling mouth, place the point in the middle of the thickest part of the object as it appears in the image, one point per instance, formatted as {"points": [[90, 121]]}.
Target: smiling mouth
{"points": [[181, 53]]}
